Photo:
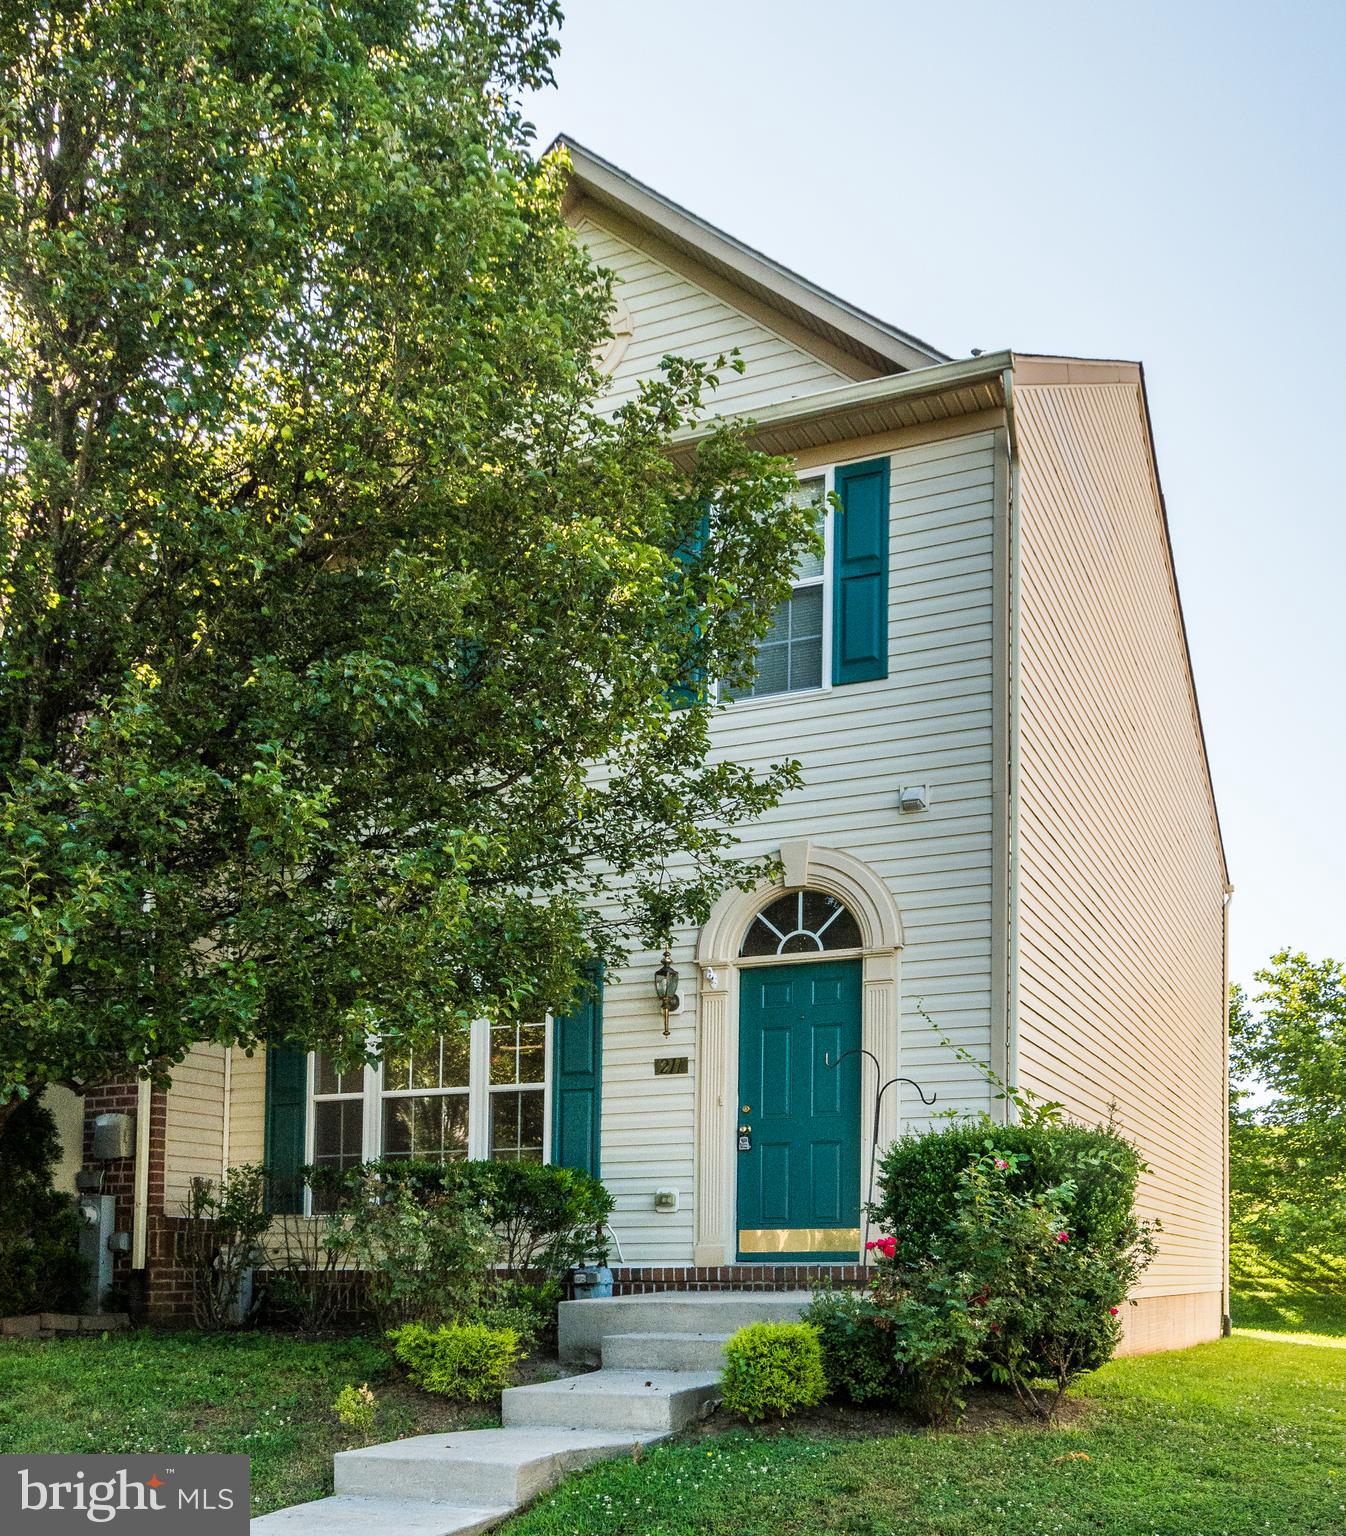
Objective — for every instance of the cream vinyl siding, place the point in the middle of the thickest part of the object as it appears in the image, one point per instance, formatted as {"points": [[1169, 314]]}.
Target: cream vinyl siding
{"points": [[1120, 938], [929, 721], [200, 1139], [671, 314], [194, 1125], [247, 1108]]}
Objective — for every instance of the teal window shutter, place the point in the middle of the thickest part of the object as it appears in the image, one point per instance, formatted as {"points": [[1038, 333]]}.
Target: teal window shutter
{"points": [[286, 1112], [860, 573], [694, 688], [577, 1082]]}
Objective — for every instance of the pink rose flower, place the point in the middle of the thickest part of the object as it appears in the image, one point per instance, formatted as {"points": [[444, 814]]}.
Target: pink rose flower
{"points": [[1112, 1311], [1062, 1237], [1001, 1163]]}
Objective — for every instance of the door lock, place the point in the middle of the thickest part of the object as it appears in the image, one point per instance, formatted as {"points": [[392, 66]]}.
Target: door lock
{"points": [[745, 1138]]}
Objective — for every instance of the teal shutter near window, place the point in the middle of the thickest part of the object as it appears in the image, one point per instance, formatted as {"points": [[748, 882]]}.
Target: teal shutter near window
{"points": [[577, 1082], [860, 574], [694, 688], [286, 1110]]}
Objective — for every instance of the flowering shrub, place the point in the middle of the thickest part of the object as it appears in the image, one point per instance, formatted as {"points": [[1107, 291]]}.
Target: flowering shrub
{"points": [[772, 1369], [1022, 1280], [919, 1177], [1051, 1300]]}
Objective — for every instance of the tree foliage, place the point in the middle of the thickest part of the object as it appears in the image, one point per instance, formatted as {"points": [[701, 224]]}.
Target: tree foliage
{"points": [[1288, 1108], [324, 578]]}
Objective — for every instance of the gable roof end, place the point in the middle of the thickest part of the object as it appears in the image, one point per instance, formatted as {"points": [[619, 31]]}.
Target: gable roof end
{"points": [[876, 343]]}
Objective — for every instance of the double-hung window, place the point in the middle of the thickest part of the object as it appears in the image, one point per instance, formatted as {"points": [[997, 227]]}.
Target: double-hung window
{"points": [[481, 1092], [793, 655], [518, 1092], [425, 1098]]}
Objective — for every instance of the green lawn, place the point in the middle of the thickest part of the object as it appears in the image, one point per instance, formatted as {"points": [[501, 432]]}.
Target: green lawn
{"points": [[1238, 1437], [1279, 1296], [1227, 1439], [263, 1394]]}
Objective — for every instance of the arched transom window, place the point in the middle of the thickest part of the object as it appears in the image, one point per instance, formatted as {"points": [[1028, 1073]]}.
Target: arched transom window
{"points": [[801, 923]]}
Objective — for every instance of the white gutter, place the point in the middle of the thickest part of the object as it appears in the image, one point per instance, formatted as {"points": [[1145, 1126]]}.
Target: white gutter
{"points": [[141, 1195]]}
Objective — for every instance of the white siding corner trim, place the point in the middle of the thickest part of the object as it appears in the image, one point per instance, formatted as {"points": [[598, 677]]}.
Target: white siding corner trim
{"points": [[812, 866]]}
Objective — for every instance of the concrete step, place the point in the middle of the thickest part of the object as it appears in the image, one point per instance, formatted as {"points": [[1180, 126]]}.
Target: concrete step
{"points": [[583, 1325], [344, 1515], [664, 1351], [480, 1466], [637, 1401]]}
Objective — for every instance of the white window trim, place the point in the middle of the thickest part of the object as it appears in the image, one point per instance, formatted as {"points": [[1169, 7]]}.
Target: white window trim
{"points": [[767, 700], [479, 1090]]}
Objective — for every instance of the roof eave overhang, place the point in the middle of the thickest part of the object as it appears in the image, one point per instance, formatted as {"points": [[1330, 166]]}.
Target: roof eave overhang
{"points": [[878, 345], [921, 397]]}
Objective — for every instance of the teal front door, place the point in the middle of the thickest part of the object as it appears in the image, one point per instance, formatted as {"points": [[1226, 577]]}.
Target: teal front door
{"points": [[797, 1119]]}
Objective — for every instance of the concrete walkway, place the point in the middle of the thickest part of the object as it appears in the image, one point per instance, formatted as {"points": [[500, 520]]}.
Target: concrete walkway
{"points": [[661, 1358]]}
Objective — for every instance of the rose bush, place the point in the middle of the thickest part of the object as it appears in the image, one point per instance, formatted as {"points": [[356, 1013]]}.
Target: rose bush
{"points": [[1022, 1281]]}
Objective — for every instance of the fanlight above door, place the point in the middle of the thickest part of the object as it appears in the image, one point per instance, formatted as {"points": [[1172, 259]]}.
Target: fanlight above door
{"points": [[801, 923]]}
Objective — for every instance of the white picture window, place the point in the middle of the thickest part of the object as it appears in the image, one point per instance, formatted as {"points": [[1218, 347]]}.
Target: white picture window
{"points": [[792, 656], [482, 1092]]}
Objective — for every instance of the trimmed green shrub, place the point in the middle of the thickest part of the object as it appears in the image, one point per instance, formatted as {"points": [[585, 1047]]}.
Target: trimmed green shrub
{"points": [[1049, 1298], [919, 1178], [544, 1217], [773, 1369], [427, 1255], [467, 1361], [1012, 1252], [40, 1266], [530, 1310], [857, 1341]]}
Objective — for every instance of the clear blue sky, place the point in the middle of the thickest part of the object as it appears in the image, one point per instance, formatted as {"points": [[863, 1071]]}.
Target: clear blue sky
{"points": [[1156, 181]]}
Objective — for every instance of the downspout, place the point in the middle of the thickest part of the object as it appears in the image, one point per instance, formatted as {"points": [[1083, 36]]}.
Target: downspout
{"points": [[1012, 798], [1226, 1302], [141, 1189], [228, 1096]]}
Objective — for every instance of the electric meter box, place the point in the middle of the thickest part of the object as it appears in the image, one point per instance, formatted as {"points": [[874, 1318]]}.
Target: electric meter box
{"points": [[113, 1137]]}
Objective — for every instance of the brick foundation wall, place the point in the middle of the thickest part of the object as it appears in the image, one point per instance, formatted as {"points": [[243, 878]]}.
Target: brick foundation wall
{"points": [[118, 1175], [168, 1284], [646, 1279], [162, 1293]]}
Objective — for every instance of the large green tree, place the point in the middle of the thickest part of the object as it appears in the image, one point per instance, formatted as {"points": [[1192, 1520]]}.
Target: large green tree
{"points": [[325, 583], [1288, 1131]]}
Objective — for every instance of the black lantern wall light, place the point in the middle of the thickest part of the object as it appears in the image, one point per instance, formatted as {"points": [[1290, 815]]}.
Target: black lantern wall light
{"points": [[666, 989]]}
